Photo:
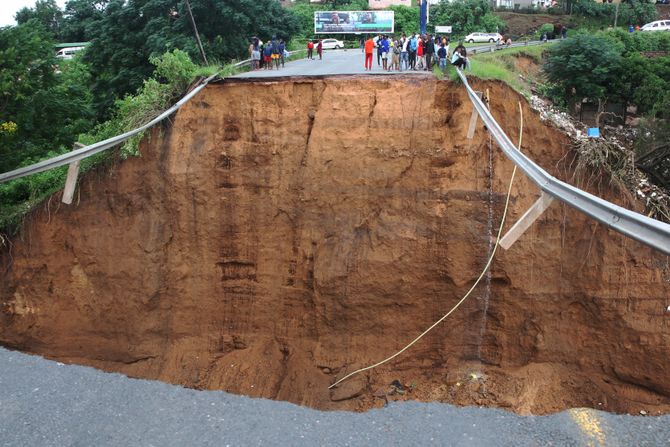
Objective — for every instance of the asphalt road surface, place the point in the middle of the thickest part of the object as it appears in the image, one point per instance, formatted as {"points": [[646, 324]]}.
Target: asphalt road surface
{"points": [[343, 62], [334, 62], [45, 403]]}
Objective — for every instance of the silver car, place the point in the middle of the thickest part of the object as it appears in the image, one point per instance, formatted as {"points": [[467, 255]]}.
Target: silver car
{"points": [[482, 37]]}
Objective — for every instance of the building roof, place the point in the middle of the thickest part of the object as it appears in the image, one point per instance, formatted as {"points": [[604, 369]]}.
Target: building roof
{"points": [[72, 44]]}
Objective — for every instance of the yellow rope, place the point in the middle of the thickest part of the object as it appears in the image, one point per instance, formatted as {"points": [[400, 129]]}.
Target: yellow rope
{"points": [[486, 267]]}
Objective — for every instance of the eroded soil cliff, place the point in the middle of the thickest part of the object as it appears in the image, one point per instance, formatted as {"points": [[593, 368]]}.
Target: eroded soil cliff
{"points": [[278, 235]]}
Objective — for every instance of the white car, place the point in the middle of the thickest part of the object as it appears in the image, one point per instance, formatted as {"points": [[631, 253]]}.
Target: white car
{"points": [[330, 44], [482, 37], [659, 25], [68, 52]]}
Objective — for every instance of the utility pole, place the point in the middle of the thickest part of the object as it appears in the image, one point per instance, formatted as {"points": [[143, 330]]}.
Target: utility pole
{"points": [[423, 16], [195, 30]]}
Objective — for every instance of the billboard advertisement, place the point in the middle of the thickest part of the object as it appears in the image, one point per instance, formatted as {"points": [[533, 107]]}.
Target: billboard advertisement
{"points": [[353, 22]]}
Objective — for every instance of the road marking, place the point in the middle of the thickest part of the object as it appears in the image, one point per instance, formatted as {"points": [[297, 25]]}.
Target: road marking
{"points": [[589, 423]]}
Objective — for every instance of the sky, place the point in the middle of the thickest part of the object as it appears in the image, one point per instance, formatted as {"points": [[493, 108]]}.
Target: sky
{"points": [[8, 8]]}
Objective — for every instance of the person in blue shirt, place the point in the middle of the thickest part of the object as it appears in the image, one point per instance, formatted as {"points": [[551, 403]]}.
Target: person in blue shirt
{"points": [[458, 59], [267, 56], [385, 52], [412, 52]]}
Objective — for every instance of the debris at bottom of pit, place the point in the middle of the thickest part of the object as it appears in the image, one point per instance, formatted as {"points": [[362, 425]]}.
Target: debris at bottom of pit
{"points": [[348, 390]]}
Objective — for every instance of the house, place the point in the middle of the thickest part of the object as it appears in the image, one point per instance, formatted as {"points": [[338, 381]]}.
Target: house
{"points": [[516, 4], [383, 4]]}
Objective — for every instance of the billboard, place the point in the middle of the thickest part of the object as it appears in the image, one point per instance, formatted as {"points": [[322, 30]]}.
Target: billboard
{"points": [[349, 22]]}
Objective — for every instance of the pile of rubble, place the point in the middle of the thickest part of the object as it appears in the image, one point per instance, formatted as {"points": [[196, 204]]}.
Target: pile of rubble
{"points": [[618, 139]]}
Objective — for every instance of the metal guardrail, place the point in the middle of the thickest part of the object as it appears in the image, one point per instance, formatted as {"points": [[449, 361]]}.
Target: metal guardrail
{"points": [[87, 151], [496, 47], [649, 231], [644, 229]]}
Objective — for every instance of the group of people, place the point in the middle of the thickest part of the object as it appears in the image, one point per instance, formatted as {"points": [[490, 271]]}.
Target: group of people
{"points": [[311, 47], [268, 54], [413, 52]]}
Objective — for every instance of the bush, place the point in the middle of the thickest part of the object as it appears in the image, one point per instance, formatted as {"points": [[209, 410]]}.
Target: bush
{"points": [[590, 8], [636, 12], [174, 71], [175, 68], [609, 66]]}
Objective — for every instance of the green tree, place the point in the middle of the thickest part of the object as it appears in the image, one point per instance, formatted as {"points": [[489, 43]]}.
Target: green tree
{"points": [[637, 12], [406, 19], [26, 67], [48, 106], [587, 66], [466, 16], [80, 19], [46, 12], [130, 32]]}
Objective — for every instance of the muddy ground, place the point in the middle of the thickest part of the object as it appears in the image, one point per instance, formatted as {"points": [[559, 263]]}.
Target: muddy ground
{"points": [[278, 235]]}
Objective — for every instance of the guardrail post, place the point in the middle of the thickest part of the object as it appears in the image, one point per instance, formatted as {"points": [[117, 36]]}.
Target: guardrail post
{"points": [[473, 120], [530, 216], [71, 181]]}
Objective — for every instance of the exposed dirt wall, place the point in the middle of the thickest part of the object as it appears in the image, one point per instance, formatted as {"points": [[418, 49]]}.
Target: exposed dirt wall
{"points": [[280, 234]]}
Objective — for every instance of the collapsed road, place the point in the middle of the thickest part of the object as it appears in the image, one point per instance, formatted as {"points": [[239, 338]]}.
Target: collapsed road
{"points": [[269, 253]]}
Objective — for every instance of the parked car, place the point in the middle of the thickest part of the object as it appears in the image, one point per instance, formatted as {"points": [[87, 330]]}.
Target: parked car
{"points": [[659, 25], [483, 37], [329, 44], [68, 53]]}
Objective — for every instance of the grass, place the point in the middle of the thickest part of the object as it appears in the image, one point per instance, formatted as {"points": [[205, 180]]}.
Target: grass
{"points": [[500, 65]]}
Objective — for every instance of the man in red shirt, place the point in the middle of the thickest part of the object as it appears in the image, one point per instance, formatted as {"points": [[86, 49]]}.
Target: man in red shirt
{"points": [[369, 49], [310, 49]]}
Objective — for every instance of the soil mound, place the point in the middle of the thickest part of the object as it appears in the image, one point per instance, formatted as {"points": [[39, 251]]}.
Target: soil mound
{"points": [[280, 234]]}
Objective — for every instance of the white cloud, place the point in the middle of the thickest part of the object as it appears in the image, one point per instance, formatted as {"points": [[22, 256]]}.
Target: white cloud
{"points": [[9, 8]]}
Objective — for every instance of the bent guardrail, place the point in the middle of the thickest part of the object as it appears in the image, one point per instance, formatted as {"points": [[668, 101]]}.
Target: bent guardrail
{"points": [[87, 151], [644, 229], [649, 231]]}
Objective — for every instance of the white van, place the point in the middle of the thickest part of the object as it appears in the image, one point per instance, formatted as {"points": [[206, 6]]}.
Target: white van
{"points": [[68, 52], [659, 25]]}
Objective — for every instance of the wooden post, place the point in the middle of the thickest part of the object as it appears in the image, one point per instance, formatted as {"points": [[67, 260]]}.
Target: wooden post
{"points": [[71, 181], [526, 220], [473, 119]]}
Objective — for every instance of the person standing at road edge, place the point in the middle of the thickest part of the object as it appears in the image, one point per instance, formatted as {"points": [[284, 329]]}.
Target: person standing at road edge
{"points": [[310, 49], [369, 49]]}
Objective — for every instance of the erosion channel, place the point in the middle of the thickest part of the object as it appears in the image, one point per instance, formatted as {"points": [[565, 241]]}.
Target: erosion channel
{"points": [[277, 235]]}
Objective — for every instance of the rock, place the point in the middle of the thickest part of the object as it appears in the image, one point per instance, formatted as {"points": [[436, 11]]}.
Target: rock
{"points": [[397, 385], [348, 390]]}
